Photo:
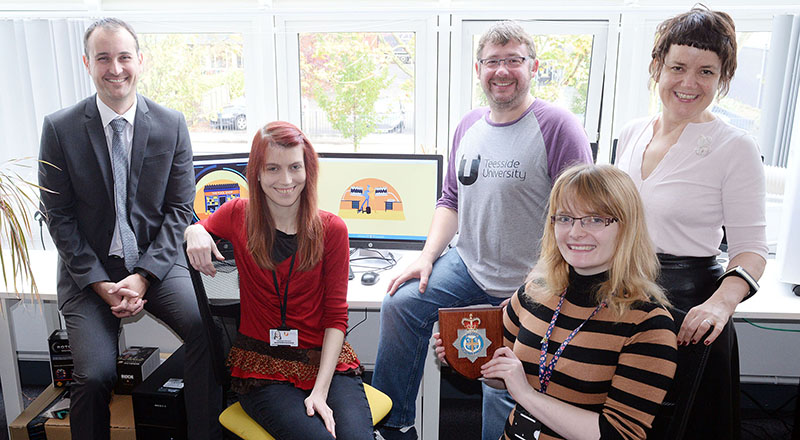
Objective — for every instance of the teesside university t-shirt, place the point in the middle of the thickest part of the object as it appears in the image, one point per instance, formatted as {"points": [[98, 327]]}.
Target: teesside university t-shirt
{"points": [[499, 179]]}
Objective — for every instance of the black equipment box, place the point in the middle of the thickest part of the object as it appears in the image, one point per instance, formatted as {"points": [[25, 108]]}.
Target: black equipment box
{"points": [[60, 358], [134, 365], [158, 404]]}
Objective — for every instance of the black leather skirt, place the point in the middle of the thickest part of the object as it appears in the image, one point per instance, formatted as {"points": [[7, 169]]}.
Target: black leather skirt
{"points": [[690, 281]]}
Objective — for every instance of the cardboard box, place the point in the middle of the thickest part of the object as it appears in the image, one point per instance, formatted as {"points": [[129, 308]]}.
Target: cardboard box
{"points": [[28, 425], [122, 425], [60, 358], [133, 367]]}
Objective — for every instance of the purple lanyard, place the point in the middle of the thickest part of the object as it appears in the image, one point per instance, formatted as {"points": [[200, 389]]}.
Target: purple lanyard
{"points": [[545, 369]]}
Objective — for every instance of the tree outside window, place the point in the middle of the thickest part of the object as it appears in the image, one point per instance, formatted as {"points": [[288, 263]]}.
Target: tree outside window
{"points": [[357, 90]]}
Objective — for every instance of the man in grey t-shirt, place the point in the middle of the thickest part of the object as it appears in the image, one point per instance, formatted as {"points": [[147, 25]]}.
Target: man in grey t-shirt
{"points": [[502, 165]]}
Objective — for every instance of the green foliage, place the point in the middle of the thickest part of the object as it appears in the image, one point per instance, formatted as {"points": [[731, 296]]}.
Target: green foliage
{"points": [[341, 72], [180, 69], [565, 61]]}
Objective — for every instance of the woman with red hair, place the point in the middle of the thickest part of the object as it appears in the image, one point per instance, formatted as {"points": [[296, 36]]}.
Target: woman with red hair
{"points": [[293, 371]]}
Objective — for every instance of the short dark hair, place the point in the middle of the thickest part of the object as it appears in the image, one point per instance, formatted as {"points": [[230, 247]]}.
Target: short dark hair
{"points": [[701, 28], [109, 23]]}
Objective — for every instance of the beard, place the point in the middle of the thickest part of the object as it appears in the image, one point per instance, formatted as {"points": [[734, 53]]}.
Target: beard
{"points": [[507, 103]]}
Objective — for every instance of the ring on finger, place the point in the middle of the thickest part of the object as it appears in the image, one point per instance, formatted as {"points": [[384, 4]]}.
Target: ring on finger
{"points": [[708, 321]]}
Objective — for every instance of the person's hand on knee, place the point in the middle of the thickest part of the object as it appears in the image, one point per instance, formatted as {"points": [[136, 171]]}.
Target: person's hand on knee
{"points": [[317, 405], [421, 269]]}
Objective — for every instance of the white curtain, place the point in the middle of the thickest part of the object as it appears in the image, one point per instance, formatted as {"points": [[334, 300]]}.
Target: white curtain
{"points": [[41, 72], [781, 85]]}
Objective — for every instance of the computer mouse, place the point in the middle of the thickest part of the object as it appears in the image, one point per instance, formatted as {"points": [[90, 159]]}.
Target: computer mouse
{"points": [[369, 278]]}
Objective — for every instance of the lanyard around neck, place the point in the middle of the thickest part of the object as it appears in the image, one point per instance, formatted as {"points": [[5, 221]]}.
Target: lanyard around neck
{"points": [[546, 369], [283, 304]]}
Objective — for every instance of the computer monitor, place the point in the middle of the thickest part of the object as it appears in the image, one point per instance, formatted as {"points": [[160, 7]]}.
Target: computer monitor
{"points": [[218, 178], [386, 200]]}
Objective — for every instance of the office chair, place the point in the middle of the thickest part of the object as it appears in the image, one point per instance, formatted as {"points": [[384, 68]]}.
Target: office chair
{"points": [[673, 414], [217, 316]]}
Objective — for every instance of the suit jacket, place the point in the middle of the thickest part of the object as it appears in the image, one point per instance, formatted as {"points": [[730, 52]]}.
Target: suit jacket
{"points": [[81, 214]]}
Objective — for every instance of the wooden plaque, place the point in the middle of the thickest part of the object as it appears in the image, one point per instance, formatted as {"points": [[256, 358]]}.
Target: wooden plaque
{"points": [[470, 336]]}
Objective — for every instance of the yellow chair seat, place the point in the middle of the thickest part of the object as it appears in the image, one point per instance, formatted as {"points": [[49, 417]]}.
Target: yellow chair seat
{"points": [[238, 422]]}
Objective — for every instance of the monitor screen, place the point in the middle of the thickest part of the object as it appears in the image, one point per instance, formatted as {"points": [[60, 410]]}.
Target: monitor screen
{"points": [[218, 178], [386, 200]]}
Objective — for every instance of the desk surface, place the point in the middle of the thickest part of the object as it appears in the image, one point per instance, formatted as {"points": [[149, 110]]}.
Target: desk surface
{"points": [[774, 300]]}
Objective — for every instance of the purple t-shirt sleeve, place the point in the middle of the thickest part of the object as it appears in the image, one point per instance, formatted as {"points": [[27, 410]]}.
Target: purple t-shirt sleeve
{"points": [[449, 197], [564, 138]]}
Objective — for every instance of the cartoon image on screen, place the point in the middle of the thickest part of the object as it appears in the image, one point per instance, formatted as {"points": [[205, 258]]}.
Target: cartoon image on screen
{"points": [[373, 198], [216, 184], [387, 201]]}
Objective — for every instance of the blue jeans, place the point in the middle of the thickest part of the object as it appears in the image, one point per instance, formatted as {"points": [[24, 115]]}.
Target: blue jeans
{"points": [[279, 408], [407, 320]]}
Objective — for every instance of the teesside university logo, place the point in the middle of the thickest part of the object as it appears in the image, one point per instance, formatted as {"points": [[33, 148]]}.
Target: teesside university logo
{"points": [[470, 169], [471, 342], [468, 176]]}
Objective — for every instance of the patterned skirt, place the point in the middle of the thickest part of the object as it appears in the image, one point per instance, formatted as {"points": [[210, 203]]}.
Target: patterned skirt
{"points": [[254, 363]]}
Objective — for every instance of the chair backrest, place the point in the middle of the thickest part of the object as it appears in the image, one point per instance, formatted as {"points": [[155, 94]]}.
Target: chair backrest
{"points": [[670, 422], [220, 316]]}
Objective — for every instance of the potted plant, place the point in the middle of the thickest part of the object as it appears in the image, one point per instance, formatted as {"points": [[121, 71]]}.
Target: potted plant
{"points": [[17, 197]]}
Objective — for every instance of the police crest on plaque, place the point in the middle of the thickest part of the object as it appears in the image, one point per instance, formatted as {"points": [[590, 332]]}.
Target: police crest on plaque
{"points": [[471, 342], [470, 336]]}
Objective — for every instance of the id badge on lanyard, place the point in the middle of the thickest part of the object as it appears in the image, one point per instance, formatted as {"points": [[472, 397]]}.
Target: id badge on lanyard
{"points": [[283, 336]]}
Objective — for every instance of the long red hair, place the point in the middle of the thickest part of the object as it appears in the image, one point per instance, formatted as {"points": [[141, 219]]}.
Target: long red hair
{"points": [[260, 224]]}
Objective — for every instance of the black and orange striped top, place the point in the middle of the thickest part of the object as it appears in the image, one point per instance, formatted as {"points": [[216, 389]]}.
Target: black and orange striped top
{"points": [[618, 367]]}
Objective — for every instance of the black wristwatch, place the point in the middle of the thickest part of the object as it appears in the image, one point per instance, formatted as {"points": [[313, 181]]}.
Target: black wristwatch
{"points": [[738, 271], [147, 275]]}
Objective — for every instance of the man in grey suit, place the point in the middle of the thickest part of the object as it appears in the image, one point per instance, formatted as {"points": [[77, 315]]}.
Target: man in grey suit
{"points": [[123, 191]]}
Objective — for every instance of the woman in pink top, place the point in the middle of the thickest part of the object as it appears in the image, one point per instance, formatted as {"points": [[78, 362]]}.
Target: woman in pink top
{"points": [[697, 174]]}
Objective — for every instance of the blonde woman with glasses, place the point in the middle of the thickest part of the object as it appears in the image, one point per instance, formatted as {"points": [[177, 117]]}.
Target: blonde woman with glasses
{"points": [[589, 349]]}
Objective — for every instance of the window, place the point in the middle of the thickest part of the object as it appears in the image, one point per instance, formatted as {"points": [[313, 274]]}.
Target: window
{"points": [[201, 75], [354, 85], [357, 90]]}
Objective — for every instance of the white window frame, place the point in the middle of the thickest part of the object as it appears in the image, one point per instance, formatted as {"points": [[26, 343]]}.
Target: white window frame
{"points": [[289, 27]]}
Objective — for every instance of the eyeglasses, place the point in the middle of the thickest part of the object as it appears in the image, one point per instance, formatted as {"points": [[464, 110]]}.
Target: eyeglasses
{"points": [[510, 62], [589, 223]]}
